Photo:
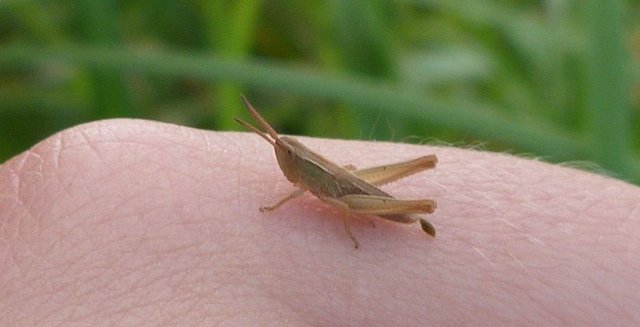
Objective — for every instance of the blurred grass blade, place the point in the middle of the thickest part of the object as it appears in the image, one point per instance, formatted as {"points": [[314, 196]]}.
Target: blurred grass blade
{"points": [[231, 28], [108, 91], [471, 118], [607, 89]]}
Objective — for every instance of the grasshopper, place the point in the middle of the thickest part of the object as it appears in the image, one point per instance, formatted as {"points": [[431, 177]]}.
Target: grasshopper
{"points": [[347, 188]]}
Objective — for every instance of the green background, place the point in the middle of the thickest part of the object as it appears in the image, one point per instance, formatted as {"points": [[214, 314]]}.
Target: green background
{"points": [[551, 79]]}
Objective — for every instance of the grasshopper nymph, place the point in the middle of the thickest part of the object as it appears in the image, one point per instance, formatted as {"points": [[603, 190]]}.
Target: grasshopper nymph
{"points": [[346, 188]]}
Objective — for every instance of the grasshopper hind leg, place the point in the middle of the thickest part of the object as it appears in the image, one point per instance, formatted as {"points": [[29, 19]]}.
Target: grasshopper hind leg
{"points": [[427, 227]]}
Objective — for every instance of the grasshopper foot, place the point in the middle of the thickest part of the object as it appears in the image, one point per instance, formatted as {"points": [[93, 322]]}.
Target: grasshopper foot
{"points": [[427, 227]]}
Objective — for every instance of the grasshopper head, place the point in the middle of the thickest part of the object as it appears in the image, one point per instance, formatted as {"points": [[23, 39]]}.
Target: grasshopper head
{"points": [[285, 147], [288, 158]]}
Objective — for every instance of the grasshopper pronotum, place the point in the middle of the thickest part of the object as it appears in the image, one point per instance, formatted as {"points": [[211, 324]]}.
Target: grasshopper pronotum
{"points": [[346, 188]]}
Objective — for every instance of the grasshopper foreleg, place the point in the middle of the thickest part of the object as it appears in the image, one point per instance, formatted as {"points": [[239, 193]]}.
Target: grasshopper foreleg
{"points": [[291, 196]]}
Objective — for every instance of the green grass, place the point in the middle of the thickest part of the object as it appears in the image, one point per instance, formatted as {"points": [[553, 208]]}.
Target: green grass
{"points": [[554, 80]]}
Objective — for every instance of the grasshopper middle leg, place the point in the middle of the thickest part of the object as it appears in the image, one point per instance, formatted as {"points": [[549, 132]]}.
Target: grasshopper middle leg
{"points": [[347, 217]]}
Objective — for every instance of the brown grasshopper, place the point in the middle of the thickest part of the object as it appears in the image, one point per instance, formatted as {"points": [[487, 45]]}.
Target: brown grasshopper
{"points": [[346, 188]]}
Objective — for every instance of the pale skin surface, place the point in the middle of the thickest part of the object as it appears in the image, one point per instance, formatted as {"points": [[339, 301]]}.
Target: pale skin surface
{"points": [[138, 223]]}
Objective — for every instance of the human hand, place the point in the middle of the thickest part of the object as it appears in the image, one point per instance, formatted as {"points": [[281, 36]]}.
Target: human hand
{"points": [[133, 222]]}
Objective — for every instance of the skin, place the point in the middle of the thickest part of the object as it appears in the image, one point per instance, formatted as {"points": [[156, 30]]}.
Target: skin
{"points": [[132, 222]]}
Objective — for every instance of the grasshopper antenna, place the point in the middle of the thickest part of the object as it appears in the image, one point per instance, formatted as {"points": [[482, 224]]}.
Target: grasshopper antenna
{"points": [[259, 119]]}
